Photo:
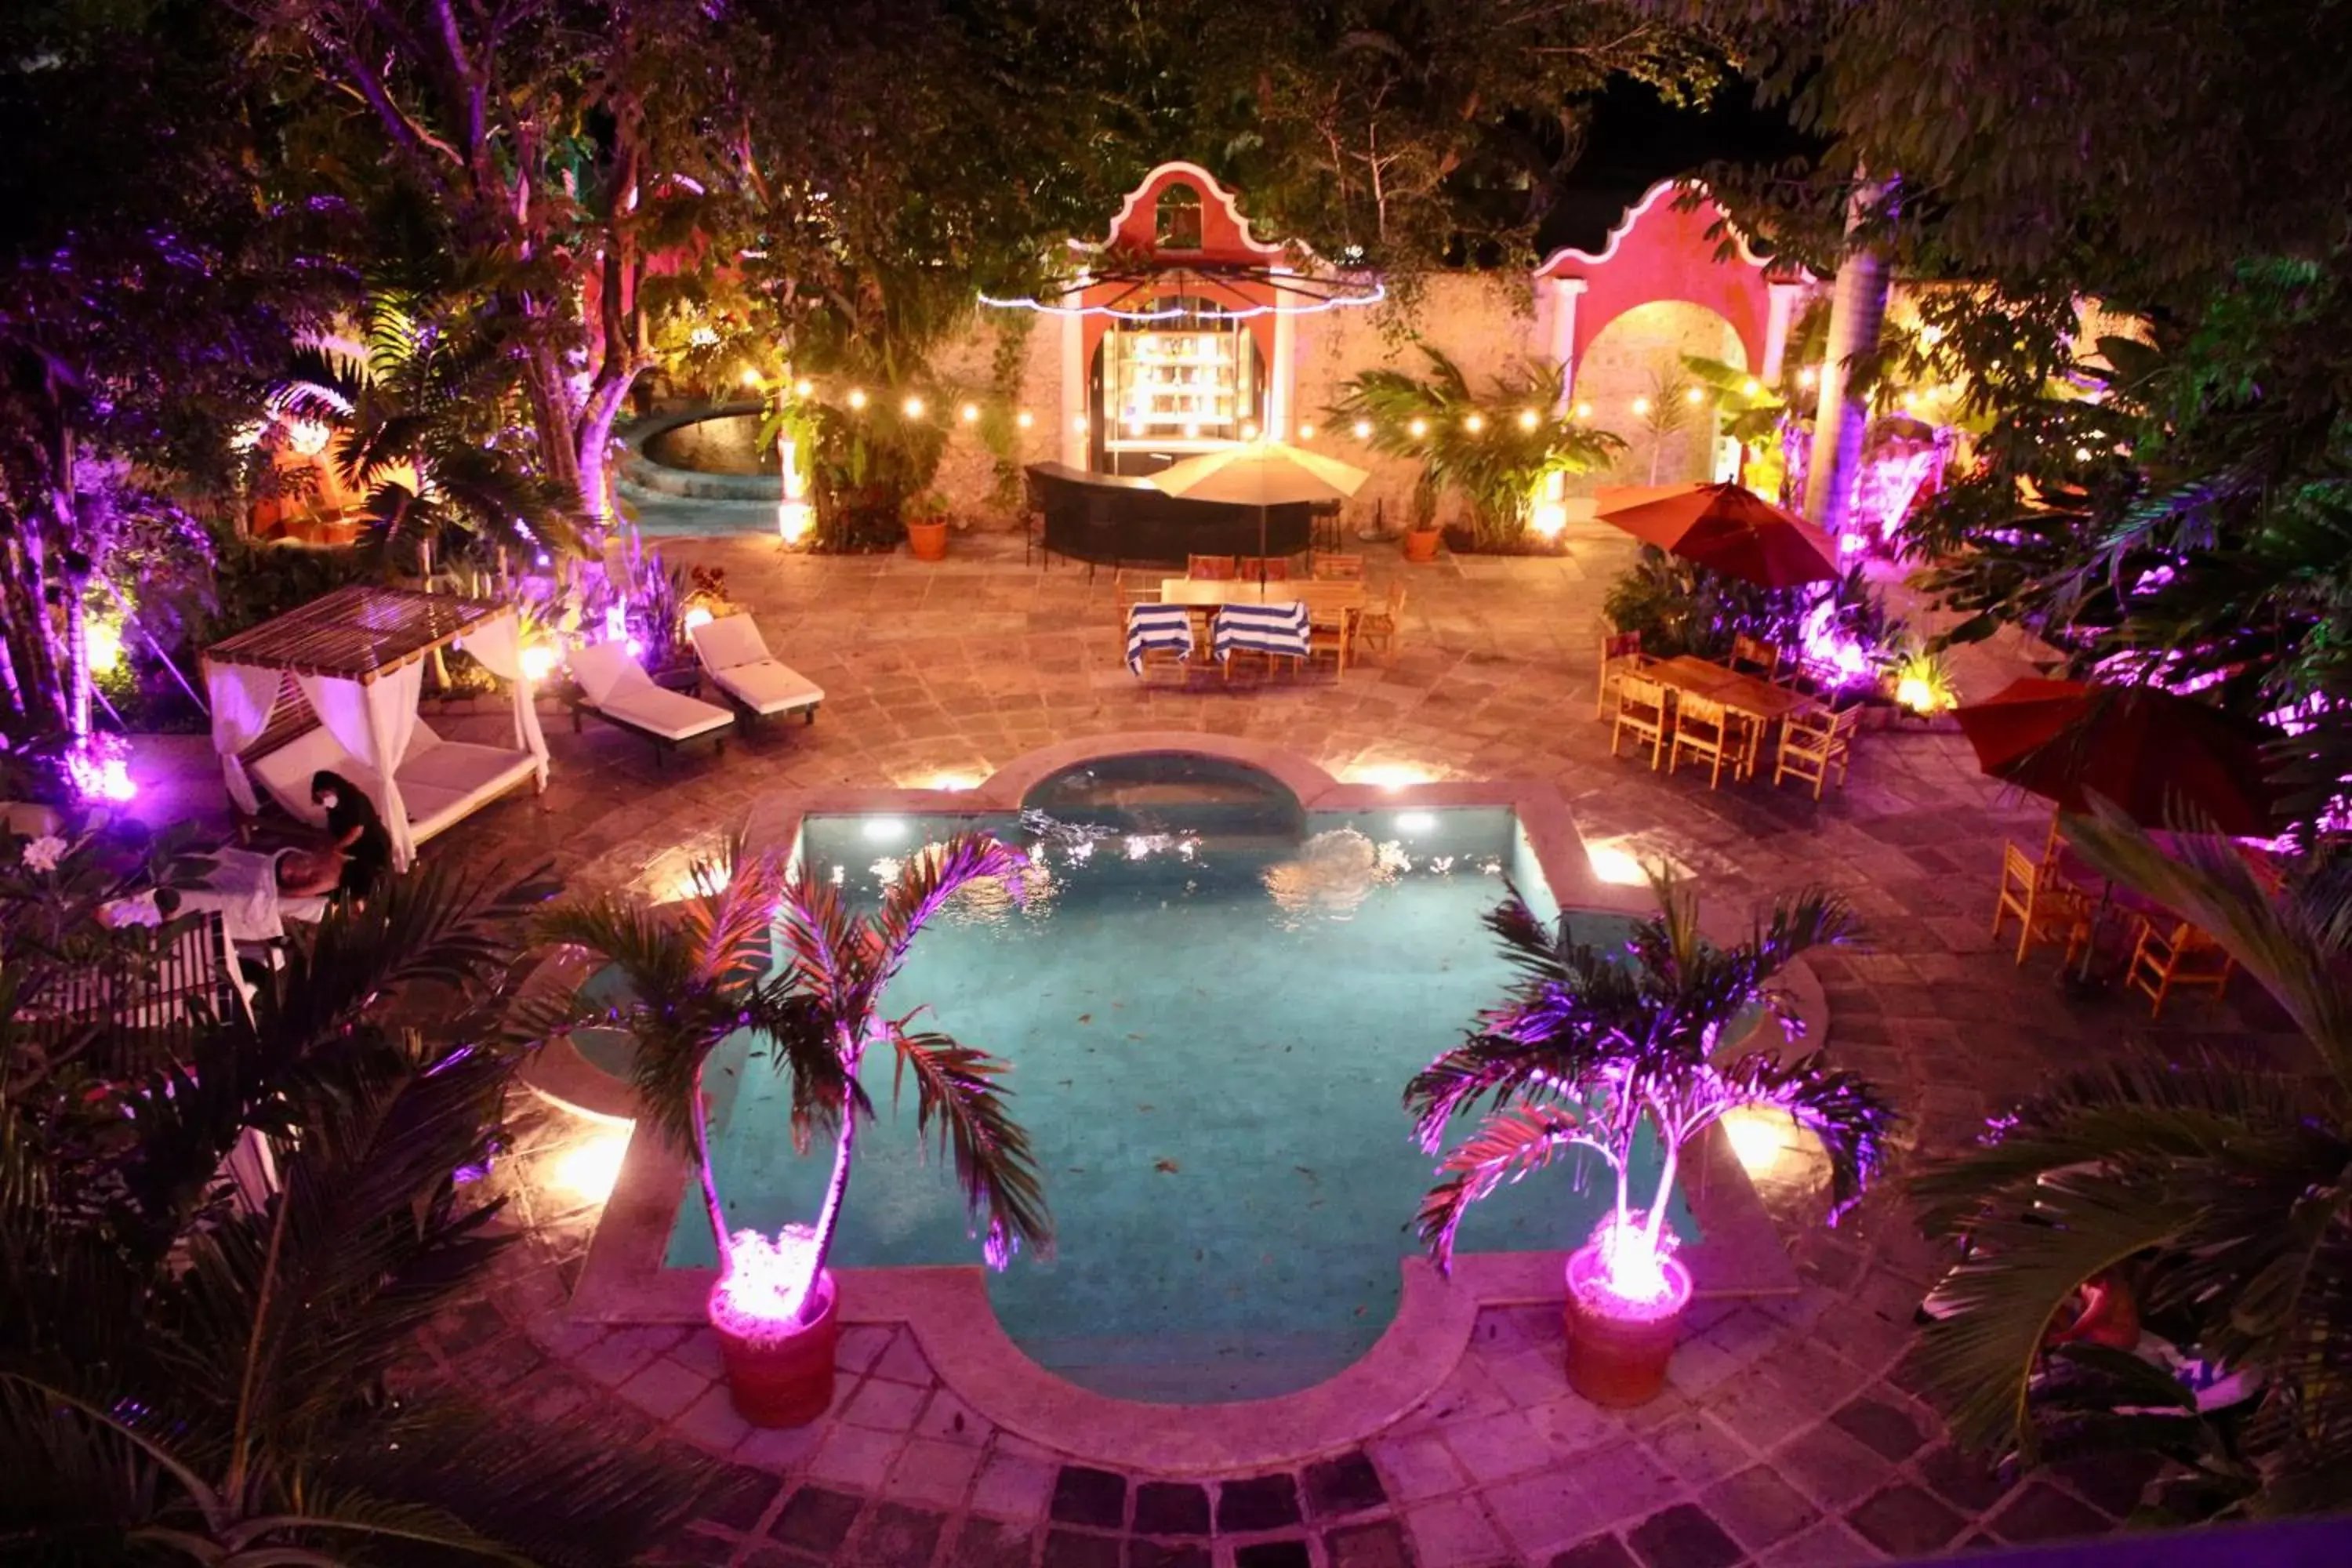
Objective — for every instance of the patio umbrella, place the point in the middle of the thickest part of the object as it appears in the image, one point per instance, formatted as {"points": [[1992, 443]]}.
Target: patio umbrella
{"points": [[1262, 473], [1724, 527], [2144, 748]]}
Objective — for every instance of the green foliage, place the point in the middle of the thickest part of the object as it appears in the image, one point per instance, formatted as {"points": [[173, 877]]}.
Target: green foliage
{"points": [[1484, 447], [207, 1364], [1680, 607], [2210, 1184], [1593, 1044], [697, 972]]}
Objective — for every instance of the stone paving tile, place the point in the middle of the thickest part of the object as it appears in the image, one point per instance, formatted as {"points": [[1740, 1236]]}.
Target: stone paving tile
{"points": [[1014, 1486], [893, 1536], [1079, 1548], [856, 1456], [1379, 1544], [1345, 1484], [1289, 1553], [886, 1406], [1683, 1536], [2044, 1513], [1905, 1520], [1829, 1467], [1172, 1508], [932, 1472], [816, 1518], [1760, 1508], [990, 1543], [1454, 1530], [1600, 1552], [1143, 1553], [1093, 1498], [1258, 1502], [1418, 1464]]}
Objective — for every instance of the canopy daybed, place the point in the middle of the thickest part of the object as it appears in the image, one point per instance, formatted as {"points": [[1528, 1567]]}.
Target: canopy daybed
{"points": [[355, 661]]}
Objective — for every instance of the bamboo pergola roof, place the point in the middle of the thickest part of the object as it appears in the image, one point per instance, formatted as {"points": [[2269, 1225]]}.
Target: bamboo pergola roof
{"points": [[356, 633]]}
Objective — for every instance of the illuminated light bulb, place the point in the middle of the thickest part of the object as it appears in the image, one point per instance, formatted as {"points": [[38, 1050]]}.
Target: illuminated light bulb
{"points": [[1024, 419], [857, 397], [969, 413], [1363, 429], [699, 616], [307, 436], [1135, 424], [538, 662], [1693, 396], [1474, 423], [912, 408], [793, 521], [1249, 432], [1080, 423], [1529, 419], [804, 387], [1417, 429], [1641, 406], [1584, 411], [1909, 399], [1549, 520], [101, 644], [1931, 334], [1192, 430], [2082, 454], [1307, 432], [1750, 388], [588, 1170], [751, 378], [1915, 694], [1807, 376]]}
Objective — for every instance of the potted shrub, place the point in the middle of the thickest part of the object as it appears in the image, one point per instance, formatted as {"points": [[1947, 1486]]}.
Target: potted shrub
{"points": [[1591, 1047], [926, 526], [1421, 535], [695, 976]]}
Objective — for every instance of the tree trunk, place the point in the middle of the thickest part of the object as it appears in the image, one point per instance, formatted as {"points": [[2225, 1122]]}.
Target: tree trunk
{"points": [[708, 1177], [1857, 312], [828, 1218]]}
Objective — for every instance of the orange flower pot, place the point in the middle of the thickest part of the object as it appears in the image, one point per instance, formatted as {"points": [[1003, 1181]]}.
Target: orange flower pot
{"points": [[1421, 545], [1618, 1350], [781, 1374], [928, 541]]}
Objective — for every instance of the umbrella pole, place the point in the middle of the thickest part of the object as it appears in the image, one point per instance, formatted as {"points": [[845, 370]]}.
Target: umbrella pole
{"points": [[1261, 553]]}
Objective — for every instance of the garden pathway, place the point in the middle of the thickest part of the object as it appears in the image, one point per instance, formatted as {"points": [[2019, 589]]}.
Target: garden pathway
{"points": [[1789, 1436]]}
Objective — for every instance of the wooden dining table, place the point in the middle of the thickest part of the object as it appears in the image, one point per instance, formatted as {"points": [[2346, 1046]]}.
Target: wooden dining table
{"points": [[1329, 603], [1751, 696]]}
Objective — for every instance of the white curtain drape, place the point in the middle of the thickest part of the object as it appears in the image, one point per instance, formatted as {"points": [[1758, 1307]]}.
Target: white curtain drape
{"points": [[242, 697], [374, 723], [497, 643]]}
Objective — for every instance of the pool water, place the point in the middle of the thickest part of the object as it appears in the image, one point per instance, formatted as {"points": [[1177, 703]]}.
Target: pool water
{"points": [[1212, 1009]]}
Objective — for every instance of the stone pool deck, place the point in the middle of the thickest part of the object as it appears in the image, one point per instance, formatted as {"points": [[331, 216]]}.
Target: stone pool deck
{"points": [[1790, 1435]]}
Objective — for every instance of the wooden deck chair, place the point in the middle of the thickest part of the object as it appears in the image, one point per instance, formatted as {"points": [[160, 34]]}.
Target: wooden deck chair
{"points": [[736, 659], [1378, 626], [1642, 707], [1212, 568], [1705, 728], [1620, 652], [1129, 587], [1813, 743], [1329, 567], [2182, 955], [616, 688], [1753, 655], [2048, 908]]}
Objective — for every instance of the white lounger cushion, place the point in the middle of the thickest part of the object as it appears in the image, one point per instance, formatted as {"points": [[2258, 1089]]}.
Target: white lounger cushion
{"points": [[737, 658], [441, 781], [617, 686]]}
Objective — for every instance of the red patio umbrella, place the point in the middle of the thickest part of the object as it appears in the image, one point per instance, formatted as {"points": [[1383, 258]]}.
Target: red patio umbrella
{"points": [[2147, 749], [1725, 528]]}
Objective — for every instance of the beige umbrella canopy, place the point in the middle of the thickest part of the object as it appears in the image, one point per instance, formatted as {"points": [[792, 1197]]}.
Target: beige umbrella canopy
{"points": [[1262, 473]]}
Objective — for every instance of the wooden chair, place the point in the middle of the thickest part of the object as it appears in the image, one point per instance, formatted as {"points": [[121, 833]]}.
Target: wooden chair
{"points": [[1642, 707], [1266, 569], [1330, 568], [1129, 587], [1378, 626], [1705, 728], [1212, 568], [1620, 652], [1753, 655], [1813, 743], [1331, 632], [2048, 908], [2182, 956]]}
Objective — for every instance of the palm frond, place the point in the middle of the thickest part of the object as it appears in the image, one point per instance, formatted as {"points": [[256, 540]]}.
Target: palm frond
{"points": [[959, 1102], [1507, 1146], [1993, 1312]]}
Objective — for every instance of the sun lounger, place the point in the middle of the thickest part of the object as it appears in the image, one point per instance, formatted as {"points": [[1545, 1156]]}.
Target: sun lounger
{"points": [[441, 781], [616, 688], [737, 659]]}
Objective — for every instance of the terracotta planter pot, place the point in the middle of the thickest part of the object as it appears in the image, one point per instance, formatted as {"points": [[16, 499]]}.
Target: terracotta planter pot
{"points": [[782, 1376], [928, 541], [1618, 1350], [1421, 543]]}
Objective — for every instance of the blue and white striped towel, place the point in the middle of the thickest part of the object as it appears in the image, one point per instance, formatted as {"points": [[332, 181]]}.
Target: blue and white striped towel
{"points": [[1164, 626], [1280, 630]]}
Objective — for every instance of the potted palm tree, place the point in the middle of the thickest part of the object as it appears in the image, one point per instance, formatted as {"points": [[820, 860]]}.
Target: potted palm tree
{"points": [[695, 974], [1594, 1046], [2206, 1186], [926, 526]]}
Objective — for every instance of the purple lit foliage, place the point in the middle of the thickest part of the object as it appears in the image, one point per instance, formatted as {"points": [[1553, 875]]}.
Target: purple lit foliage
{"points": [[1591, 1045]]}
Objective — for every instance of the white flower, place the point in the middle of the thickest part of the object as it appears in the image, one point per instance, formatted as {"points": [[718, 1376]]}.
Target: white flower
{"points": [[43, 854]]}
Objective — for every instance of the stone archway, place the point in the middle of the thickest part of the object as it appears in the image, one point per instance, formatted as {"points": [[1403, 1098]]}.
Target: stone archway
{"points": [[1631, 377]]}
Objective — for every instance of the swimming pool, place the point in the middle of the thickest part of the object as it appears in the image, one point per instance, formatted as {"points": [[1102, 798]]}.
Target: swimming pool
{"points": [[1212, 1001]]}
